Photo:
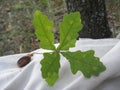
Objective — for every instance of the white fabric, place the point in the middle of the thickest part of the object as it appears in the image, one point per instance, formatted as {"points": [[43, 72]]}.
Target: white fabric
{"points": [[29, 77]]}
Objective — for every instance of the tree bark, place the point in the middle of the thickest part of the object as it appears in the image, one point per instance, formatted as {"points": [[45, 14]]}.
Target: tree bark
{"points": [[94, 17]]}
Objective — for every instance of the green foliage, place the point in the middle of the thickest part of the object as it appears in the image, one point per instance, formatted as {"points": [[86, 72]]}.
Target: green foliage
{"points": [[44, 30], [69, 30], [85, 62], [44, 2], [50, 67]]}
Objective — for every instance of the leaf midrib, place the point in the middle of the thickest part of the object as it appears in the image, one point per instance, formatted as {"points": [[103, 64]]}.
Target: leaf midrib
{"points": [[54, 61], [45, 33], [62, 45]]}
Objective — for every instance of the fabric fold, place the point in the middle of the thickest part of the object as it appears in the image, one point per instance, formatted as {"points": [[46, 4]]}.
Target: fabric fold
{"points": [[29, 77]]}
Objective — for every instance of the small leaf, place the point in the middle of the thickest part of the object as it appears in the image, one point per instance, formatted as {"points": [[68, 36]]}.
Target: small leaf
{"points": [[44, 30], [69, 29], [50, 67], [86, 62]]}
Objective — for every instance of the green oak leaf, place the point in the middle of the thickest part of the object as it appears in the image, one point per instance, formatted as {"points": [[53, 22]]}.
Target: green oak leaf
{"points": [[69, 29], [86, 62], [44, 30], [50, 67]]}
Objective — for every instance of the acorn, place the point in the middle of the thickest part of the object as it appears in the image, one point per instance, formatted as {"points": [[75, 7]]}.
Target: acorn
{"points": [[23, 61]]}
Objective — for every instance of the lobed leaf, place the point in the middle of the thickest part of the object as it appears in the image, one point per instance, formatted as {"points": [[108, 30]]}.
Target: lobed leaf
{"points": [[86, 62], [69, 29], [44, 30], [50, 67]]}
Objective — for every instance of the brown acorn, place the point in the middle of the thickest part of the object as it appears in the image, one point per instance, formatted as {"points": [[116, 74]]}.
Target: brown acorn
{"points": [[23, 61]]}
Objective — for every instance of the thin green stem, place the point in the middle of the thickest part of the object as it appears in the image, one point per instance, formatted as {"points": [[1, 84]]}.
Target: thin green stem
{"points": [[50, 52]]}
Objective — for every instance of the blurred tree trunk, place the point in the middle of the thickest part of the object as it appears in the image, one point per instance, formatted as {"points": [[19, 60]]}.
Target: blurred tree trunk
{"points": [[94, 17]]}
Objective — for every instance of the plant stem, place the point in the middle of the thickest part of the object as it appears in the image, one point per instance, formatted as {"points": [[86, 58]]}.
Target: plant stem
{"points": [[47, 52]]}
